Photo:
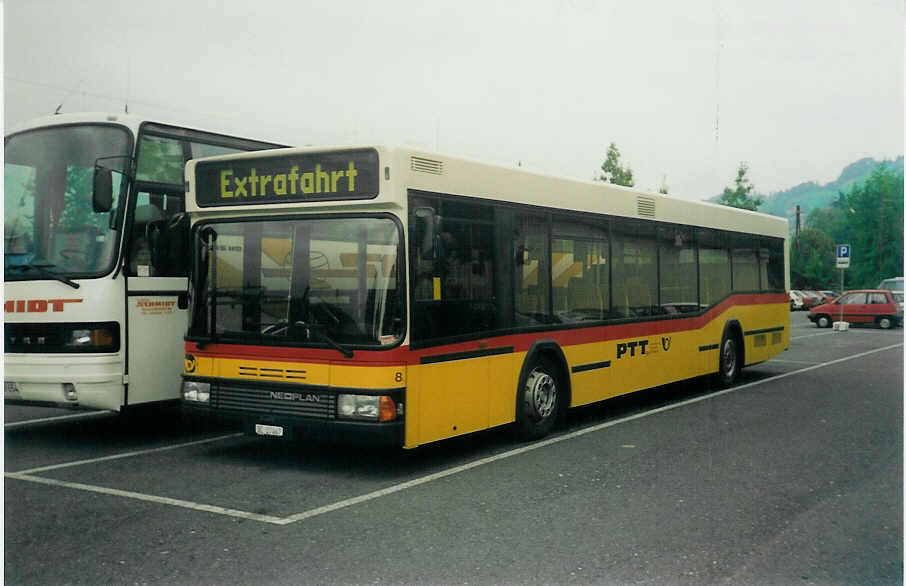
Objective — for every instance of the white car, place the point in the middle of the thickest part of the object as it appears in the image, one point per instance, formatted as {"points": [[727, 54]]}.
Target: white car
{"points": [[895, 286], [796, 301], [892, 284]]}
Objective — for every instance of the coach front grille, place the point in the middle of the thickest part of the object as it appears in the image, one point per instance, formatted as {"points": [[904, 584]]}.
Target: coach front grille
{"points": [[269, 399]]}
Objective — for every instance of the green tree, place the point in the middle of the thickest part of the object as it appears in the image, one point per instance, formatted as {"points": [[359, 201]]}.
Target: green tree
{"points": [[613, 170], [812, 260], [742, 196], [663, 189], [77, 213], [875, 232], [869, 218], [832, 221]]}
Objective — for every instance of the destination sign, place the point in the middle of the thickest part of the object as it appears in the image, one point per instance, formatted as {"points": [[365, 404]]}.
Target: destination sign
{"points": [[288, 178]]}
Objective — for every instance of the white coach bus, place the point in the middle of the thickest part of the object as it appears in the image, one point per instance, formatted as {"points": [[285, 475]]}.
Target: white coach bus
{"points": [[95, 258]]}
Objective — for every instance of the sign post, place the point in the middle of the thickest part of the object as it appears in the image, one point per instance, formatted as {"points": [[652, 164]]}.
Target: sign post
{"points": [[844, 252]]}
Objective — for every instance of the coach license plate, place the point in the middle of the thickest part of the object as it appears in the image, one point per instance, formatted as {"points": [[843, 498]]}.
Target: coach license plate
{"points": [[271, 430], [10, 390]]}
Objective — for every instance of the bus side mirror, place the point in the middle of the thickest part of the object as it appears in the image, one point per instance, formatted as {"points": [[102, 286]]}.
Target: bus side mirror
{"points": [[102, 199], [102, 192], [429, 223]]}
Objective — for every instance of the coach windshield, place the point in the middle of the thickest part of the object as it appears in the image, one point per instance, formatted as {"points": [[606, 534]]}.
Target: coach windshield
{"points": [[326, 282], [50, 228]]}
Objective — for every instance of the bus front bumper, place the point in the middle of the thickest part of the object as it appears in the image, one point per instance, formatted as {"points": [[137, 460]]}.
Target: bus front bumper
{"points": [[64, 380], [301, 428]]}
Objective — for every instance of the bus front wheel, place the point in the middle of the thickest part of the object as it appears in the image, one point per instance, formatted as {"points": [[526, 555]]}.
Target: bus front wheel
{"points": [[538, 401], [729, 361]]}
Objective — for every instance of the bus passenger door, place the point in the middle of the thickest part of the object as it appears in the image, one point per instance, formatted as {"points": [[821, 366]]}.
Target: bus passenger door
{"points": [[155, 266]]}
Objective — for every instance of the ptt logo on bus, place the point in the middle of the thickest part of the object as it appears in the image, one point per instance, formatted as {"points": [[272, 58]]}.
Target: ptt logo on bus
{"points": [[631, 347], [641, 347], [37, 305]]}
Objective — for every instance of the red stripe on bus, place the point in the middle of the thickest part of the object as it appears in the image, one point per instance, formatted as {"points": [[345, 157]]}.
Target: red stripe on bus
{"points": [[520, 342]]}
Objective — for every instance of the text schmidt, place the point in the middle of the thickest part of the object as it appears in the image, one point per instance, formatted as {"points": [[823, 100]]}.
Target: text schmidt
{"points": [[295, 182]]}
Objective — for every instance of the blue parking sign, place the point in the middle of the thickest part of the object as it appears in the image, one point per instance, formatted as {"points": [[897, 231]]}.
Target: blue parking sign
{"points": [[843, 255]]}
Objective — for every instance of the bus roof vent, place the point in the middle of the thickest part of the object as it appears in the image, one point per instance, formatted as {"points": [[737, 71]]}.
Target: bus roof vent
{"points": [[645, 206], [424, 165]]}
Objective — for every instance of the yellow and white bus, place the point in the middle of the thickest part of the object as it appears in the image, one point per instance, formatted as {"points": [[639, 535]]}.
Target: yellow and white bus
{"points": [[95, 257], [411, 297]]}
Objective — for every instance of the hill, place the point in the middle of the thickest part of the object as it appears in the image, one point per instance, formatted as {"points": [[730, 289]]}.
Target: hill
{"points": [[812, 195]]}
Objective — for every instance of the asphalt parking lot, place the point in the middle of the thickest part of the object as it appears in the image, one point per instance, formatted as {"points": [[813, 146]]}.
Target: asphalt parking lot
{"points": [[793, 475]]}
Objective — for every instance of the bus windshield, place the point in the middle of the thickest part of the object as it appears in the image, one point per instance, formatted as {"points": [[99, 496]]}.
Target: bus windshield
{"points": [[301, 282], [50, 229]]}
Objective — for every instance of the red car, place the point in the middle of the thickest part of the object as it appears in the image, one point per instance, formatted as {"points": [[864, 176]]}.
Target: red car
{"points": [[867, 306]]}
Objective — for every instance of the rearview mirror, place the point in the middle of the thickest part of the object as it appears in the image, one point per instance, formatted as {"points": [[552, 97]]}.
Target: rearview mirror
{"points": [[102, 199], [428, 221], [102, 192]]}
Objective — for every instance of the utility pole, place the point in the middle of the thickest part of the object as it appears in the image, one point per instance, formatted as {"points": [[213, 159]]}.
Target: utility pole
{"points": [[880, 231], [798, 215]]}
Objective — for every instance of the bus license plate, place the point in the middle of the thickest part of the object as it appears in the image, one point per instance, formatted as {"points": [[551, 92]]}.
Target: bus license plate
{"points": [[10, 390], [271, 430]]}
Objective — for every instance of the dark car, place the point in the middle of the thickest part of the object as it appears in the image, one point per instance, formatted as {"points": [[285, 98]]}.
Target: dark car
{"points": [[867, 306]]}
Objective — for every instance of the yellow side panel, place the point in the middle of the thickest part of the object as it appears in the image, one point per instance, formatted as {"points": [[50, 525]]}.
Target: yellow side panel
{"points": [[647, 361], [504, 376], [587, 385], [453, 398]]}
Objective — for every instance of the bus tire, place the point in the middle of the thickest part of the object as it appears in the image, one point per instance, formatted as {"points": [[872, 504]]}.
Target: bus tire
{"points": [[539, 400], [730, 358]]}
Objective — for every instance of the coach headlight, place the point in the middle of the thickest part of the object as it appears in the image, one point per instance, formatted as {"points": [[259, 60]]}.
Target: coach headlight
{"points": [[103, 337], [366, 407], [195, 391]]}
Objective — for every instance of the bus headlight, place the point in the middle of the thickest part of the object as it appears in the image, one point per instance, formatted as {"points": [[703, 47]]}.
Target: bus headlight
{"points": [[92, 338], [366, 407], [196, 391]]}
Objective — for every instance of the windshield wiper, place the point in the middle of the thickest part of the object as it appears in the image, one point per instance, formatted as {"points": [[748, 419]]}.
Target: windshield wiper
{"points": [[42, 268], [317, 329]]}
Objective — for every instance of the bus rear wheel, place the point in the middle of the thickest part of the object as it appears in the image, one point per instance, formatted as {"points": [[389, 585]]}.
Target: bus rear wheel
{"points": [[538, 401]]}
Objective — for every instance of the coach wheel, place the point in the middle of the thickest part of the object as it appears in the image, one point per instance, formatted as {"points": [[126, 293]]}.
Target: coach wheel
{"points": [[823, 321], [729, 361], [885, 323], [538, 401]]}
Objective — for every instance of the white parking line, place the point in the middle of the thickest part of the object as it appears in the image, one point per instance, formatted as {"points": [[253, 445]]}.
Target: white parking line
{"points": [[149, 498], [26, 476], [812, 335], [57, 418], [124, 455], [850, 330]]}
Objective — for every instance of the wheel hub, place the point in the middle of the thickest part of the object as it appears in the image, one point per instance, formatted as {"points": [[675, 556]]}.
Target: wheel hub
{"points": [[729, 358], [540, 394]]}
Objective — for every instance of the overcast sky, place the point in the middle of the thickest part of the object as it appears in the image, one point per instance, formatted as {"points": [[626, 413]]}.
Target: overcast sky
{"points": [[687, 90]]}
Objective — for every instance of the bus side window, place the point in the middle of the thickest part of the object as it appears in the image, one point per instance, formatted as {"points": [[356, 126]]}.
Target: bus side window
{"points": [[159, 237], [532, 264], [454, 287]]}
